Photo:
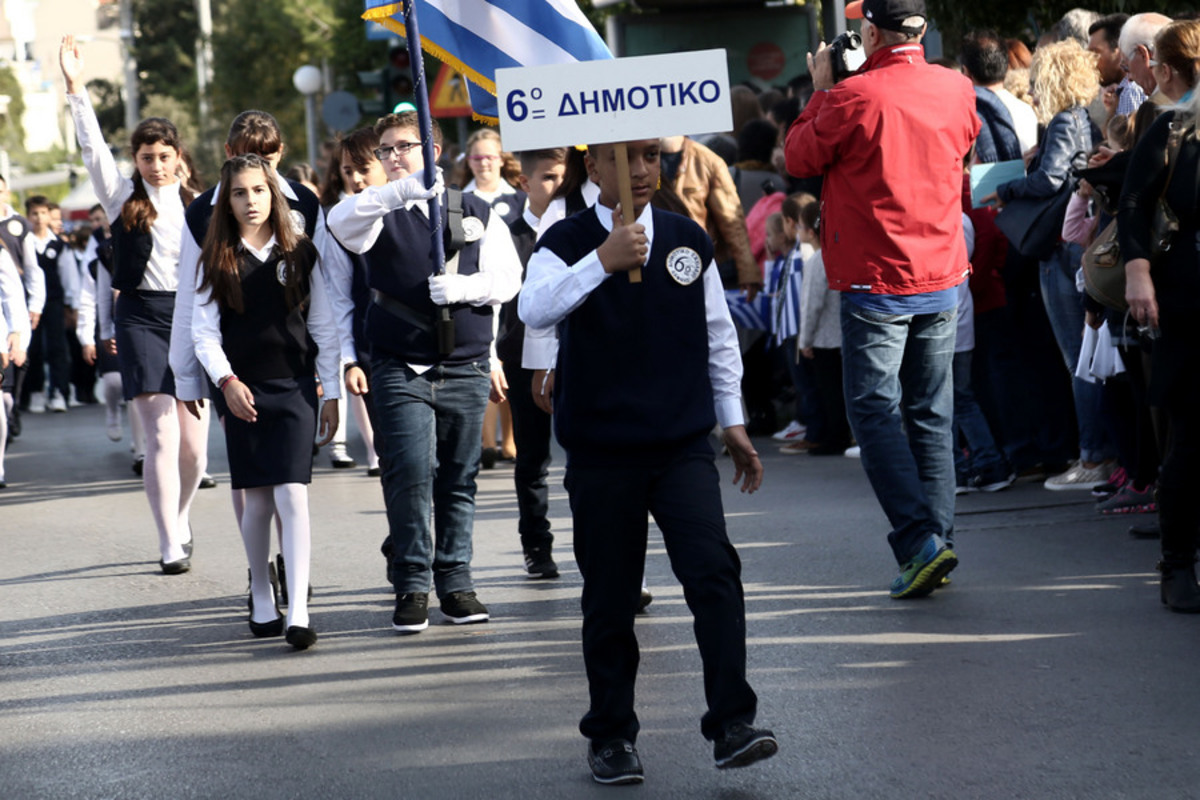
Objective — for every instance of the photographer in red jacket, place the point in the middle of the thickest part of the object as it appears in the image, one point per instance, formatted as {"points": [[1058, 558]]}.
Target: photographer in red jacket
{"points": [[890, 141]]}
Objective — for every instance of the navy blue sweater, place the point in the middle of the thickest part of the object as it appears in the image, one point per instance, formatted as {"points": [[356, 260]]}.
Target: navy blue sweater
{"points": [[632, 373]]}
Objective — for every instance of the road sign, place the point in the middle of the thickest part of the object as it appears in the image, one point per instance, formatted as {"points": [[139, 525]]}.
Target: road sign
{"points": [[340, 111], [449, 97], [614, 100]]}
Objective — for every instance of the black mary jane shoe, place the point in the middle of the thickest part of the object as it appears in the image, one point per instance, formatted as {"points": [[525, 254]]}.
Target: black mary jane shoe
{"points": [[175, 567], [301, 638], [265, 629]]}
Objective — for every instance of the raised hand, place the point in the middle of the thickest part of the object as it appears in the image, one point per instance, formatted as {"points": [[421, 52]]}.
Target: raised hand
{"points": [[70, 58]]}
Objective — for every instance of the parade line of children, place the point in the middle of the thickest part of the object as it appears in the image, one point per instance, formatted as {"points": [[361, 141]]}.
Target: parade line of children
{"points": [[241, 295]]}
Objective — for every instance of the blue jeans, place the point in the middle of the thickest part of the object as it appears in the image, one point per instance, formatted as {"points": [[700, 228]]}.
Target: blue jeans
{"points": [[428, 433], [900, 401], [1064, 307], [970, 424]]}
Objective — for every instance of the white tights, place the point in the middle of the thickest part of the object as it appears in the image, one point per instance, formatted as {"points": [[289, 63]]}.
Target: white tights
{"points": [[290, 500], [5, 408], [112, 403], [176, 456]]}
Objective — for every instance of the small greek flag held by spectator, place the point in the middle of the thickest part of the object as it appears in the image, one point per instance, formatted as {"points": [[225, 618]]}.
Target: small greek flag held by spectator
{"points": [[751, 316], [477, 37], [785, 298]]}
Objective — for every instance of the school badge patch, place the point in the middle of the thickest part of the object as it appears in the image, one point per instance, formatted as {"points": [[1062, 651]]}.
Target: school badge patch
{"points": [[502, 208], [297, 219], [15, 228], [473, 229], [281, 272], [684, 265]]}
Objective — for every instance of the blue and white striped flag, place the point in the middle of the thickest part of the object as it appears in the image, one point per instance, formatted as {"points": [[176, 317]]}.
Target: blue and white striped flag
{"points": [[477, 37]]}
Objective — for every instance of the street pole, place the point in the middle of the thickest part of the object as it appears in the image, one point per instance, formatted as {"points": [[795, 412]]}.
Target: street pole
{"points": [[132, 110], [308, 80]]}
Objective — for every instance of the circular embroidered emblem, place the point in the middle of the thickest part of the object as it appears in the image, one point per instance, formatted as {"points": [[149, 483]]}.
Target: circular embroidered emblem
{"points": [[473, 228], [281, 272], [52, 249], [684, 265], [15, 228], [502, 208], [297, 219]]}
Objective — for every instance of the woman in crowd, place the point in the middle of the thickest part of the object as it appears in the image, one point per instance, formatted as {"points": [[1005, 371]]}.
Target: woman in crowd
{"points": [[1063, 80], [1164, 299]]}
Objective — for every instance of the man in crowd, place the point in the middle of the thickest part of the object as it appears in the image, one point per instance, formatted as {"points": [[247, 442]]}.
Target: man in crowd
{"points": [[1137, 51], [890, 141]]}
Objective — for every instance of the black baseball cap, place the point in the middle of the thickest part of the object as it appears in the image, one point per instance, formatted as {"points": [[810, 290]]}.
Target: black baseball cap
{"points": [[887, 14]]}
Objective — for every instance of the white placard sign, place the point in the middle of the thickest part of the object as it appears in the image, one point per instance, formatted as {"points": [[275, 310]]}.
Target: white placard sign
{"points": [[613, 100]]}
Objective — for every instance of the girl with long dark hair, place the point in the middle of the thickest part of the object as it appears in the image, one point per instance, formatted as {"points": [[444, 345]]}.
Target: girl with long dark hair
{"points": [[260, 298], [147, 224]]}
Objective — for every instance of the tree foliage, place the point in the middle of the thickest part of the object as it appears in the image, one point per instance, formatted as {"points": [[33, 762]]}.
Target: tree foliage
{"points": [[1029, 20], [12, 132]]}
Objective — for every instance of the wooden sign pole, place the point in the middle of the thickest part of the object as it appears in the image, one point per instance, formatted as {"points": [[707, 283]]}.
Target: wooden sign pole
{"points": [[626, 192]]}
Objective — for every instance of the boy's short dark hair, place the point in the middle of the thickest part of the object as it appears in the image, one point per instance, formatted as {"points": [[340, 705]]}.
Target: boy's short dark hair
{"points": [[36, 201], [409, 120], [529, 158], [984, 57]]}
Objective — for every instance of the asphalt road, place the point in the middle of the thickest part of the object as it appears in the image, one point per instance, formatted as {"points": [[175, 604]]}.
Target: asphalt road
{"points": [[1047, 670]]}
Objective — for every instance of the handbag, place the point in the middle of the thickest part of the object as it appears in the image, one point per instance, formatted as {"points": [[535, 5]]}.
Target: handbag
{"points": [[1033, 225], [1103, 266]]}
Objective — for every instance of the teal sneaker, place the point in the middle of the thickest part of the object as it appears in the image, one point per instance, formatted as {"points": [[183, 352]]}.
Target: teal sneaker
{"points": [[919, 577]]}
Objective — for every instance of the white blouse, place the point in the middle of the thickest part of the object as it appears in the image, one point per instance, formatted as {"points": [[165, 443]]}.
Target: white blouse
{"points": [[113, 189]]}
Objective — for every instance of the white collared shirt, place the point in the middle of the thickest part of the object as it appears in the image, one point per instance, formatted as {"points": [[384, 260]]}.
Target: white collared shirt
{"points": [[113, 189]]}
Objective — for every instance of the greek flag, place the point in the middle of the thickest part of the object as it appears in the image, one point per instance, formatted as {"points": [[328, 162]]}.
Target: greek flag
{"points": [[477, 37]]}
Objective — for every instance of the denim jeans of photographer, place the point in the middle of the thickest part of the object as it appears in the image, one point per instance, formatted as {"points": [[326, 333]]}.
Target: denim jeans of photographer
{"points": [[900, 401]]}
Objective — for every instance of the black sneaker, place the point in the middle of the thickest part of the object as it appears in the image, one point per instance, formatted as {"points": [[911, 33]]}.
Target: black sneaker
{"points": [[742, 745], [412, 612], [539, 564], [463, 608], [615, 763]]}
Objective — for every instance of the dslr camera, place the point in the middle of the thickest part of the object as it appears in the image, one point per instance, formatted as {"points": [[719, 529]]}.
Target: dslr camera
{"points": [[846, 54]]}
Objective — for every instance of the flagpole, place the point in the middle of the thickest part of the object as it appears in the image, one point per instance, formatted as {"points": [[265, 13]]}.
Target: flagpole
{"points": [[445, 323]]}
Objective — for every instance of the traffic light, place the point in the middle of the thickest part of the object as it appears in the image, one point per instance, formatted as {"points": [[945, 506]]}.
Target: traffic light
{"points": [[393, 82]]}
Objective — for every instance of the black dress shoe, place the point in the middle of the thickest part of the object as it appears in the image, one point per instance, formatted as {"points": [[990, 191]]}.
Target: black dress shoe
{"points": [[187, 548], [138, 465], [301, 638], [615, 762], [176, 567], [488, 457], [264, 629]]}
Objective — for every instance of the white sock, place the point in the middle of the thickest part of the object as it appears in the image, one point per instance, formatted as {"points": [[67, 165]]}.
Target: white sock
{"points": [[256, 538], [111, 382], [291, 501], [5, 408], [160, 474]]}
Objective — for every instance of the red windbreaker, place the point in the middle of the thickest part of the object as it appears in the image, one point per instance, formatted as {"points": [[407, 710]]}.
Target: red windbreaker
{"points": [[890, 141]]}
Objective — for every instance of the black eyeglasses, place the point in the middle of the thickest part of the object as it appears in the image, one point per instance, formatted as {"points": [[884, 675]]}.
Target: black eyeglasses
{"points": [[400, 149]]}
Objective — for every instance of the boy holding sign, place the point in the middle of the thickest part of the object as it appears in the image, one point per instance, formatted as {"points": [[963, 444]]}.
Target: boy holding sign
{"points": [[644, 371]]}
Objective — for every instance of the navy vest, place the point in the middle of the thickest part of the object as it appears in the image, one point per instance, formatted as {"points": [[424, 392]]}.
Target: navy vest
{"points": [[48, 262], [632, 372], [399, 265], [510, 341], [131, 254], [12, 236], [268, 340]]}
